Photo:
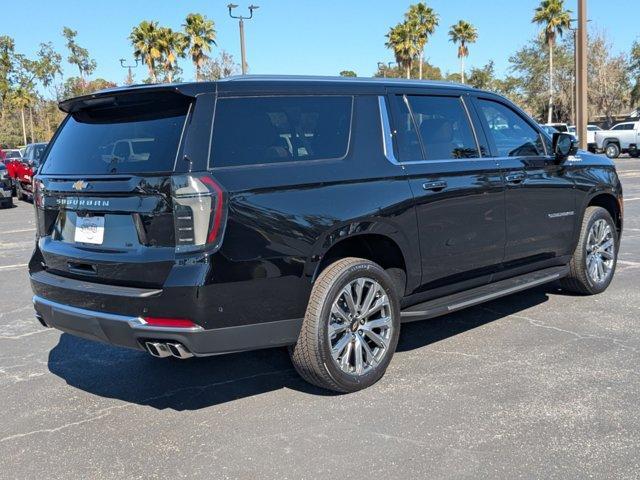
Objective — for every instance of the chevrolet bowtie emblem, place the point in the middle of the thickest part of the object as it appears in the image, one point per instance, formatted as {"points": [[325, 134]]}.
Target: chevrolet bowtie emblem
{"points": [[80, 185]]}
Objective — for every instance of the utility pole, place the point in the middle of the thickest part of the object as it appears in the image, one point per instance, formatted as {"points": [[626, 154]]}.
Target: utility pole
{"points": [[128, 67], [581, 75], [241, 20]]}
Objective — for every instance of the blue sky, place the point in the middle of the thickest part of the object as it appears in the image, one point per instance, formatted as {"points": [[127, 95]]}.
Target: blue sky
{"points": [[300, 37]]}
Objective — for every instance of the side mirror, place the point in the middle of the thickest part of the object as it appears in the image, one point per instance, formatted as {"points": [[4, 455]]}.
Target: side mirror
{"points": [[564, 144]]}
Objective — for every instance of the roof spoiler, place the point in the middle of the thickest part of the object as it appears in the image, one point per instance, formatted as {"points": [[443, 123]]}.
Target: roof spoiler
{"points": [[125, 95]]}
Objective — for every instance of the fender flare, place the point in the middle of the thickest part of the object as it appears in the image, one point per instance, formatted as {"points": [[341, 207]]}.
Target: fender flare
{"points": [[342, 231]]}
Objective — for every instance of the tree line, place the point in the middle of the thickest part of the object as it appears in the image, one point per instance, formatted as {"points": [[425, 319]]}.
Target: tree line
{"points": [[541, 74]]}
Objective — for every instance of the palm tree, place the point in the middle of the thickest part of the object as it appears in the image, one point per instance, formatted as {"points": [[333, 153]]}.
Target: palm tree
{"points": [[555, 19], [401, 40], [23, 98], [171, 45], [144, 39], [424, 21], [463, 33], [201, 35]]}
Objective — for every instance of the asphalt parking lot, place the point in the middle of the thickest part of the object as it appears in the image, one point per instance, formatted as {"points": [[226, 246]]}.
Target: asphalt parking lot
{"points": [[536, 385]]}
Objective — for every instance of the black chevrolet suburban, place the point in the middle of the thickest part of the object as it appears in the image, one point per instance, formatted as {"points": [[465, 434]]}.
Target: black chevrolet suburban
{"points": [[315, 213]]}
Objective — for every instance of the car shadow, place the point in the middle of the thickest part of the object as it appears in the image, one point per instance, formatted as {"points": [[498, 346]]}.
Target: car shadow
{"points": [[138, 378]]}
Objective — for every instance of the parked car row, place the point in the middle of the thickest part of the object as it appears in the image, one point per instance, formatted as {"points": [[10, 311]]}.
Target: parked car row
{"points": [[18, 170]]}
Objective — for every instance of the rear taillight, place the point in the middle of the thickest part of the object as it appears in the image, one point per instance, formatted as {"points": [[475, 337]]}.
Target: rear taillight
{"points": [[38, 202], [198, 212]]}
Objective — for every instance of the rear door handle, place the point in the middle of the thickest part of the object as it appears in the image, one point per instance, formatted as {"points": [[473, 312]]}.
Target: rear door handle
{"points": [[435, 186], [515, 177]]}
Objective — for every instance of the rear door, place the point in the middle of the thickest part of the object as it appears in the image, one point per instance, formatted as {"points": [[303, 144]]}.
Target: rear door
{"points": [[110, 218], [458, 193], [540, 196]]}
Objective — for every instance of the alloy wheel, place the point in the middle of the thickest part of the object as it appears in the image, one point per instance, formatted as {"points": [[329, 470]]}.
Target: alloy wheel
{"points": [[600, 251], [360, 326], [611, 151]]}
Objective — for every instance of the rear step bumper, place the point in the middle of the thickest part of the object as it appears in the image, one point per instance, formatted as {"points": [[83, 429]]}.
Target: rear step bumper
{"points": [[133, 332]]}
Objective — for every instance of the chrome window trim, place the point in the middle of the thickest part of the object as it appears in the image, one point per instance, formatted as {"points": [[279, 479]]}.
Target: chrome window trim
{"points": [[473, 128], [387, 134]]}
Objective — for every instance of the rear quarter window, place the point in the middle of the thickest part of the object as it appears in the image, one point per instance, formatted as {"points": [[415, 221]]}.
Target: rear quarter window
{"points": [[266, 130]]}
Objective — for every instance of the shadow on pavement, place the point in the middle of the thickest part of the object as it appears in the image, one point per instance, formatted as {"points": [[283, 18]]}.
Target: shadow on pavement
{"points": [[138, 378]]}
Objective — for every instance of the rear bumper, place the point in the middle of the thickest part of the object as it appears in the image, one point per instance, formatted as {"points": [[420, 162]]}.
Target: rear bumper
{"points": [[132, 332]]}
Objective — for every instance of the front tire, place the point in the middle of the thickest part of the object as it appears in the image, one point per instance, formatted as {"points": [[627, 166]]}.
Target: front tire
{"points": [[351, 327], [594, 260]]}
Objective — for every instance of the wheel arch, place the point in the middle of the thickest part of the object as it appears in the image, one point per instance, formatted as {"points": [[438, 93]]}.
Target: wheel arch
{"points": [[609, 140], [379, 242], [609, 201]]}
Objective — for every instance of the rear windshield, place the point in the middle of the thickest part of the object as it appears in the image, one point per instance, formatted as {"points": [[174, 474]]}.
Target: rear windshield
{"points": [[260, 130], [131, 140]]}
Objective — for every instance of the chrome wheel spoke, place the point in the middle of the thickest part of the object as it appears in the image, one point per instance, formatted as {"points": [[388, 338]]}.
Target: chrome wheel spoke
{"points": [[339, 313], [382, 302], [382, 322], [607, 244], [377, 339], [337, 328], [359, 360], [344, 361], [348, 298], [606, 254], [371, 295], [339, 347], [359, 288], [371, 358]]}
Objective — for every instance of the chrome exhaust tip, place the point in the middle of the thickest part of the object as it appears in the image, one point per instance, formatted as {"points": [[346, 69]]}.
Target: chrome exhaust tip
{"points": [[158, 350], [178, 350]]}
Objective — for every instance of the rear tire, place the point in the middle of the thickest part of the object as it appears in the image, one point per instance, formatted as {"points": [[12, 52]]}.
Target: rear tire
{"points": [[351, 327], [612, 150], [594, 260]]}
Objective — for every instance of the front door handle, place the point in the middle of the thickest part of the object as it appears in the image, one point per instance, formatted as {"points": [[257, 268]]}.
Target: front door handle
{"points": [[516, 178], [435, 186]]}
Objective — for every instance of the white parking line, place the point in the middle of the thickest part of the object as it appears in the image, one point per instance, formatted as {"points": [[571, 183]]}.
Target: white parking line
{"points": [[17, 265], [631, 199]]}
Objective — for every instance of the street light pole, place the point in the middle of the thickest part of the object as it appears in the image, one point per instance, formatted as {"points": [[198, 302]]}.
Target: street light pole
{"points": [[574, 91], [581, 75], [241, 20], [128, 67]]}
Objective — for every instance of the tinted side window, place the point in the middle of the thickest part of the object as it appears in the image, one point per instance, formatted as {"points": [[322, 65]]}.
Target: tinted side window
{"points": [[256, 130], [407, 143], [444, 127], [511, 134]]}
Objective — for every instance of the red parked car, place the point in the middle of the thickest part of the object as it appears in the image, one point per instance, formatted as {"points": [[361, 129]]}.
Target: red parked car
{"points": [[22, 170]]}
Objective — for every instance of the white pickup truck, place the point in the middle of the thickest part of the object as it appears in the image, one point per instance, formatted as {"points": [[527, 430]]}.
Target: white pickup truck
{"points": [[621, 138]]}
